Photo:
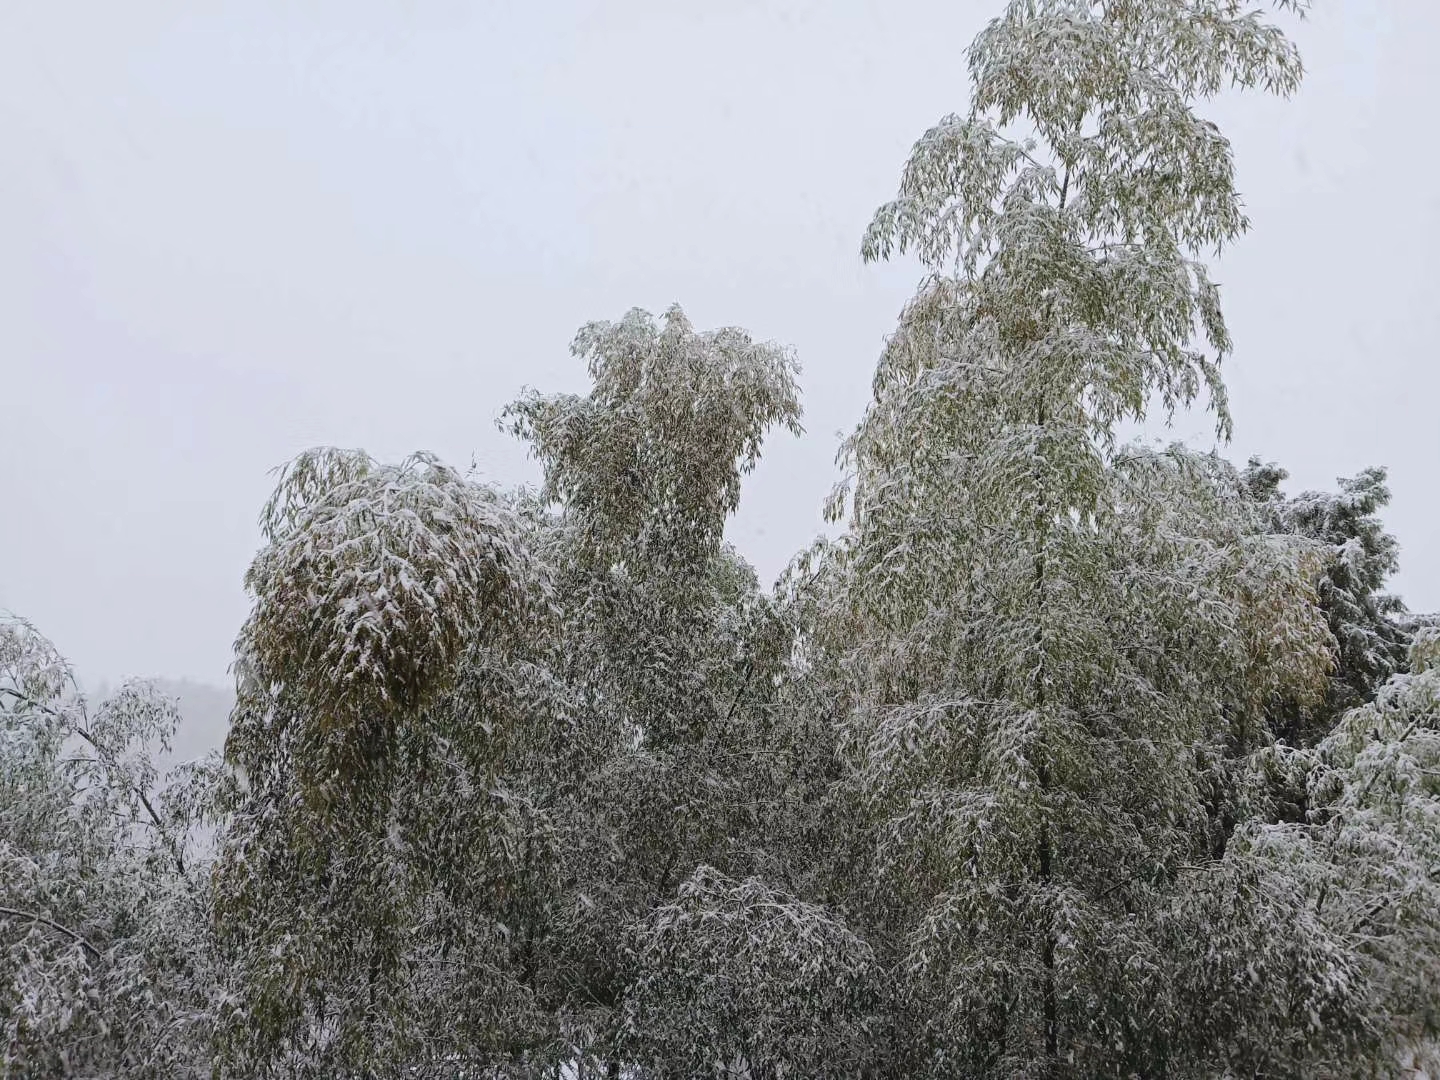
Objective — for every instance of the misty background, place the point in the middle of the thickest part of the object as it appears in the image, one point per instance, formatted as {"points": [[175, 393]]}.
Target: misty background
{"points": [[236, 230]]}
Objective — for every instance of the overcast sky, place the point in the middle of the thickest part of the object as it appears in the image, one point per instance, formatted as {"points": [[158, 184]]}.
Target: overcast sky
{"points": [[233, 230]]}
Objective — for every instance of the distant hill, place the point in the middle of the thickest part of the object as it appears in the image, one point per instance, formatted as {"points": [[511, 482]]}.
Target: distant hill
{"points": [[204, 717]]}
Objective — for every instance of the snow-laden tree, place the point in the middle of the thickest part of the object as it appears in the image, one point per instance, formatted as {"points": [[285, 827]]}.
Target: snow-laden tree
{"points": [[647, 468], [669, 650], [1359, 556], [105, 966], [1379, 786], [481, 738], [374, 584], [1363, 867], [545, 783], [376, 880], [1064, 647], [737, 979]]}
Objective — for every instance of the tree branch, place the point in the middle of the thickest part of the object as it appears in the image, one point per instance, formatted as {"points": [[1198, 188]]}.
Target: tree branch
{"points": [[108, 760], [165, 836], [72, 934]]}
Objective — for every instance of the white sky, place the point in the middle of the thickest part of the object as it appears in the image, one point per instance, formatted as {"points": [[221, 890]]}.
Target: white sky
{"points": [[234, 230]]}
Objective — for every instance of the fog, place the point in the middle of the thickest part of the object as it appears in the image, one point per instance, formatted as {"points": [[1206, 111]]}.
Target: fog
{"points": [[236, 230]]}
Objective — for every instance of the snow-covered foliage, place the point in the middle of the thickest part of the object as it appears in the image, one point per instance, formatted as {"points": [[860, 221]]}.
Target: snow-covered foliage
{"points": [[1065, 759], [733, 978], [375, 855], [374, 583], [1066, 649], [1368, 623], [1379, 787], [542, 706], [668, 649], [375, 858], [1361, 870], [649, 463], [105, 966]]}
